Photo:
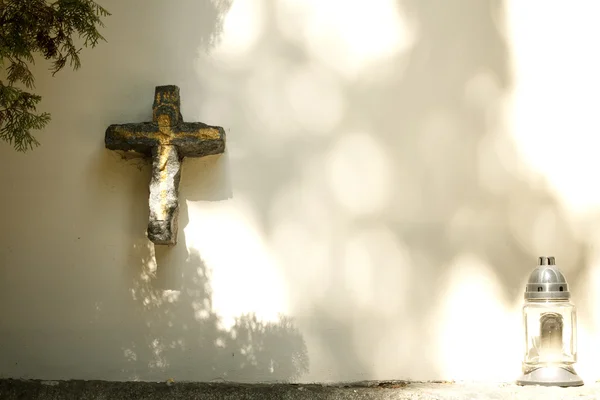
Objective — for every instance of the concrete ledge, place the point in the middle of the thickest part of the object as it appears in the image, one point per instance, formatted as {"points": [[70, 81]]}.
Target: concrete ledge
{"points": [[95, 390]]}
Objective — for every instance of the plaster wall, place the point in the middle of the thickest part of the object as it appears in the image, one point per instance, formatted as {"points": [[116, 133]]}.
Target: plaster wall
{"points": [[393, 170]]}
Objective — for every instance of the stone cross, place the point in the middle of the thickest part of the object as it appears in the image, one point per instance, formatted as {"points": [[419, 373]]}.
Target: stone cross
{"points": [[167, 139]]}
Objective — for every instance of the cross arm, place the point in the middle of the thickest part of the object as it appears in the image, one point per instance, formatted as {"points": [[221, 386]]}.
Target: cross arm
{"points": [[196, 139], [140, 138]]}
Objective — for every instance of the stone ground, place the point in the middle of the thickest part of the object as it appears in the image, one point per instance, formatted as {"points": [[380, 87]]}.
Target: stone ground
{"points": [[96, 390]]}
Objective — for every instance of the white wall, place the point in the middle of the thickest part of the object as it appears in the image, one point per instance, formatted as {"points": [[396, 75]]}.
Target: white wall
{"points": [[393, 171]]}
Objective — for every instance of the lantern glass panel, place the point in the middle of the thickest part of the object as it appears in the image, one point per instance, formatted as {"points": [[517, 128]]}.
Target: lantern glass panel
{"points": [[550, 333]]}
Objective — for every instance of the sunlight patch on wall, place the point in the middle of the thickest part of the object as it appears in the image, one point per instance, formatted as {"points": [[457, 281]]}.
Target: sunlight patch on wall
{"points": [[542, 229], [315, 99], [587, 299], [291, 101], [171, 296], [305, 255], [499, 163], [242, 28], [268, 113], [479, 338], [483, 91], [347, 36], [587, 354], [299, 238], [360, 174], [245, 278], [591, 292], [555, 121]]}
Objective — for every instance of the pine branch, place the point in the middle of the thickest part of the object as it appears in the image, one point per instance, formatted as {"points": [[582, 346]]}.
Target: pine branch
{"points": [[47, 28]]}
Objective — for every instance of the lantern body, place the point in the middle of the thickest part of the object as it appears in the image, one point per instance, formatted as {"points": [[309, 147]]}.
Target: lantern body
{"points": [[550, 322], [550, 334]]}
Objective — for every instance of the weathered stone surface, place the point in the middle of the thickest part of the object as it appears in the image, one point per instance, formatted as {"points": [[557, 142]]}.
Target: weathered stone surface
{"points": [[92, 390], [164, 195], [167, 139]]}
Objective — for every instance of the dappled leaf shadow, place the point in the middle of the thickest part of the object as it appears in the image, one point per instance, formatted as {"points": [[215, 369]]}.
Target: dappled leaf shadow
{"points": [[177, 321], [416, 177], [172, 330]]}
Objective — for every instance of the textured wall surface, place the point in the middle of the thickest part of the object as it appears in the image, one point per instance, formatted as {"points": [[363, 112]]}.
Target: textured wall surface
{"points": [[393, 170]]}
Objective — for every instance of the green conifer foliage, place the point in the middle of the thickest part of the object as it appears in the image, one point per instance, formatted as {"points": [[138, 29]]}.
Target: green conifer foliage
{"points": [[39, 27]]}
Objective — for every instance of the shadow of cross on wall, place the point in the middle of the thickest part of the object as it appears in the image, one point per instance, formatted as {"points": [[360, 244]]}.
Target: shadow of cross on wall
{"points": [[167, 139]]}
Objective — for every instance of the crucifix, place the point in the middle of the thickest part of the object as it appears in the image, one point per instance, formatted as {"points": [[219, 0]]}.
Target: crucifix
{"points": [[167, 139]]}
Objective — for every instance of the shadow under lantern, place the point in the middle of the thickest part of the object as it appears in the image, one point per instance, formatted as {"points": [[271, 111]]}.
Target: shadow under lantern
{"points": [[550, 329]]}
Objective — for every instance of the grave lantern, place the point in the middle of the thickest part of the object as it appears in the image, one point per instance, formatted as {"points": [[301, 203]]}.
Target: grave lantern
{"points": [[550, 329]]}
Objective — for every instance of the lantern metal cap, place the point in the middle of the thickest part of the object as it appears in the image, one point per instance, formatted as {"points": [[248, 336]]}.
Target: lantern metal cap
{"points": [[546, 282]]}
